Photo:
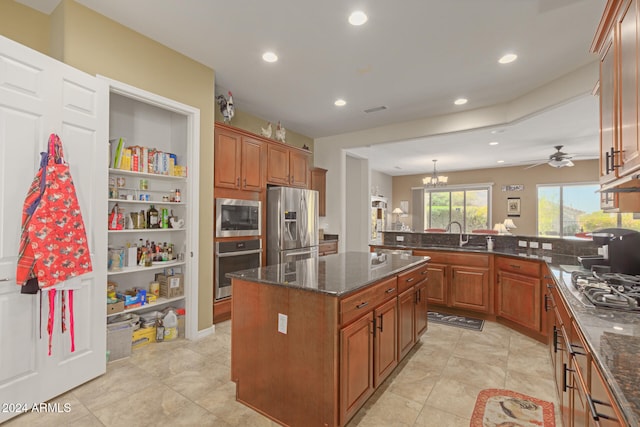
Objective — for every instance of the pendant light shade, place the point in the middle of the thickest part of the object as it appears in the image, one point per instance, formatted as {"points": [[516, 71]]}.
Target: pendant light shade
{"points": [[434, 180]]}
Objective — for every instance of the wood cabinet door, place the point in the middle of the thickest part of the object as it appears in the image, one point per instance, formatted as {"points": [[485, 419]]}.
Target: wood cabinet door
{"points": [[356, 366], [319, 183], [226, 159], [420, 313], [252, 166], [277, 164], [602, 400], [608, 128], [469, 288], [437, 284], [519, 300], [628, 88], [406, 322], [299, 169], [386, 340]]}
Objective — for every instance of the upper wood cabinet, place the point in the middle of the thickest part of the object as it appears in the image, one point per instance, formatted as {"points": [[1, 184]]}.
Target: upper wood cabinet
{"points": [[287, 166], [319, 183], [238, 160], [617, 43]]}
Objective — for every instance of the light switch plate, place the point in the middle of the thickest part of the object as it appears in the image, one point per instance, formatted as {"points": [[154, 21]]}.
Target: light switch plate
{"points": [[522, 243], [282, 323], [534, 245], [399, 238], [547, 246]]}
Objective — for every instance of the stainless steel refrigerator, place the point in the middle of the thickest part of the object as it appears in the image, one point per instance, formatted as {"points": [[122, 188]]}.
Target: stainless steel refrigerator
{"points": [[292, 224]]}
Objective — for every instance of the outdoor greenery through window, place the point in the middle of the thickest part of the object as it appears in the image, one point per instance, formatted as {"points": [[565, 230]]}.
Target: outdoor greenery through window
{"points": [[468, 206], [570, 209]]}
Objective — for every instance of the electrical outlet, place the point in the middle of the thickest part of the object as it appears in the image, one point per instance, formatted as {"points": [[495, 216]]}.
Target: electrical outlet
{"points": [[522, 243], [547, 246], [399, 238], [600, 251], [533, 245]]}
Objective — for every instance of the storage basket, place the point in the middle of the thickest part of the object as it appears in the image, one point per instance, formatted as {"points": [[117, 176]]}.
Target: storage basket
{"points": [[119, 340]]}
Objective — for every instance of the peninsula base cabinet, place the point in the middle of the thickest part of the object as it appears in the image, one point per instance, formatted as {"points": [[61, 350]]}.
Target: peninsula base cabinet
{"points": [[518, 292], [459, 280]]}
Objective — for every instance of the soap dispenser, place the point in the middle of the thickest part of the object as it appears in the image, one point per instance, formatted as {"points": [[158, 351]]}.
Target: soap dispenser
{"points": [[490, 243]]}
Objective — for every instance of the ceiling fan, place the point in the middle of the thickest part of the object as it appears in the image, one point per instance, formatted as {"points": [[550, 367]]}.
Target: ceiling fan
{"points": [[556, 160]]}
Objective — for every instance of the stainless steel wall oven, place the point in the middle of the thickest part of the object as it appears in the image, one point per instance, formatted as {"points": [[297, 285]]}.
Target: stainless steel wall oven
{"points": [[234, 256]]}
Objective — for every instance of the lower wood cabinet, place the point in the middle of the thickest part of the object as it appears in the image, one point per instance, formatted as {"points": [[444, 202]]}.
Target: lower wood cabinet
{"points": [[356, 366], [460, 280], [327, 247], [412, 308], [385, 340], [519, 294]]}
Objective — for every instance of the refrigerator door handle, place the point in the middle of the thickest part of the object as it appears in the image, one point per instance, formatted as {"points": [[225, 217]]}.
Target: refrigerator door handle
{"points": [[299, 253]]}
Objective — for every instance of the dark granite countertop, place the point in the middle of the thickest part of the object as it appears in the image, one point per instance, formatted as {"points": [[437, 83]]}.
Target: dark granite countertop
{"points": [[613, 336], [337, 274]]}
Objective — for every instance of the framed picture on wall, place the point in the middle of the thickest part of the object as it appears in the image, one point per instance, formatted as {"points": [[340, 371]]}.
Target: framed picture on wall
{"points": [[513, 206]]}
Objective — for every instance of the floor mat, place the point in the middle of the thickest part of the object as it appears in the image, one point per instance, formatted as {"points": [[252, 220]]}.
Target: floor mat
{"points": [[453, 320], [495, 408]]}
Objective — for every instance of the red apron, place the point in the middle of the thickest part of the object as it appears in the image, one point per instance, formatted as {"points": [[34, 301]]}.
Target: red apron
{"points": [[53, 245]]}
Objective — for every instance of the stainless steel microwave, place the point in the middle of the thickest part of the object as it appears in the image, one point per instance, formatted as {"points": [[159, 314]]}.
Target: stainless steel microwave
{"points": [[236, 217]]}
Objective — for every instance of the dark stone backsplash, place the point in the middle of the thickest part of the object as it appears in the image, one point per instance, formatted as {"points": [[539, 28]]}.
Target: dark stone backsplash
{"points": [[570, 247]]}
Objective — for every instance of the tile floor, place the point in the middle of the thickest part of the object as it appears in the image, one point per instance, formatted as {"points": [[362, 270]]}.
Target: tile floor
{"points": [[185, 383]]}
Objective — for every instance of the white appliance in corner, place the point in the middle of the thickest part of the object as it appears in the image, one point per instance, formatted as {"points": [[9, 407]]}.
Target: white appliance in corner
{"points": [[292, 224], [378, 219]]}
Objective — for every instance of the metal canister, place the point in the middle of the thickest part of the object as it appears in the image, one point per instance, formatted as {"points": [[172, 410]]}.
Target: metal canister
{"points": [[165, 218]]}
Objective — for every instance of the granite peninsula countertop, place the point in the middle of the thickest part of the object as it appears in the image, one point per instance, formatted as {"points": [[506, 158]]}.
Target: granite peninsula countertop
{"points": [[613, 336], [337, 275]]}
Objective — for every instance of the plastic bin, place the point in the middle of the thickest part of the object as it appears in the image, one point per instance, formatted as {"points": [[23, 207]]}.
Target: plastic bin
{"points": [[119, 340]]}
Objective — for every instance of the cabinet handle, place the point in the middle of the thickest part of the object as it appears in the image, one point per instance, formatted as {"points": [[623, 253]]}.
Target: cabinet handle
{"points": [[514, 266], [362, 304], [238, 182], [245, 183], [594, 412], [424, 272], [565, 386], [555, 339], [546, 298], [380, 327], [388, 291], [373, 332], [6, 279], [580, 353], [410, 279], [550, 286]]}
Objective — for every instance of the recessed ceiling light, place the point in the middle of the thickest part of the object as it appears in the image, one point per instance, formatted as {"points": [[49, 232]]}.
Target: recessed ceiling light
{"points": [[494, 143], [270, 57], [500, 161], [357, 18], [340, 102], [509, 57], [460, 101]]}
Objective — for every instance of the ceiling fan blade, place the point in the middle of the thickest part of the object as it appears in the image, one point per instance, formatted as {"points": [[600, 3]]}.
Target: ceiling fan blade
{"points": [[537, 164]]}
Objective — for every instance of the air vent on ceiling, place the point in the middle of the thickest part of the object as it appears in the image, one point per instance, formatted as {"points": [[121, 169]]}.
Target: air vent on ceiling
{"points": [[374, 109]]}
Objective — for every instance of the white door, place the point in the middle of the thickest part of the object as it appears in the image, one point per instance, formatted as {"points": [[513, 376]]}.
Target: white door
{"points": [[39, 96]]}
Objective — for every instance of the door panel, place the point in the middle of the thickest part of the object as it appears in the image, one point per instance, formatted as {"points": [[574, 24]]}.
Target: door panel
{"points": [[386, 341]]}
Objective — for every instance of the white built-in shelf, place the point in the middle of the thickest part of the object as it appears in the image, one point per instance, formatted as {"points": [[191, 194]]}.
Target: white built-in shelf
{"points": [[146, 230], [113, 171], [159, 301], [156, 265], [147, 202]]}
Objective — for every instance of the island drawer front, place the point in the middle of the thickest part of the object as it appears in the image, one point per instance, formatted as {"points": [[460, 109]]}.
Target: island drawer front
{"points": [[455, 258], [412, 277], [518, 266], [354, 306]]}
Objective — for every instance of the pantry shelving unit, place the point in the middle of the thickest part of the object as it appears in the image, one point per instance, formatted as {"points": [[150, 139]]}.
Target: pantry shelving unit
{"points": [[144, 119]]}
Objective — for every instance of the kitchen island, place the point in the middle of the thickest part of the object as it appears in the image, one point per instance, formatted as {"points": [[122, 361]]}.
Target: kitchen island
{"points": [[311, 340]]}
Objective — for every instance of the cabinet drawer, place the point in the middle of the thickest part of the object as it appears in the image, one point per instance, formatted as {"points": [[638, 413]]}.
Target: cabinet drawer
{"points": [[519, 266], [328, 248], [411, 277], [366, 300]]}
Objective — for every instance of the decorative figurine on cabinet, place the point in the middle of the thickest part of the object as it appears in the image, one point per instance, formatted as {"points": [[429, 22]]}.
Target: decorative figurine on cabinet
{"points": [[226, 107], [280, 133], [266, 132]]}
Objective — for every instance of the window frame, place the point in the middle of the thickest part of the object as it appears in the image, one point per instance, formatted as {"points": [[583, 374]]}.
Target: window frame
{"points": [[453, 188]]}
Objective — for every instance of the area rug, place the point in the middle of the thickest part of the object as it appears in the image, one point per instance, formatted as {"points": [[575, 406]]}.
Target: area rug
{"points": [[506, 408], [453, 320]]}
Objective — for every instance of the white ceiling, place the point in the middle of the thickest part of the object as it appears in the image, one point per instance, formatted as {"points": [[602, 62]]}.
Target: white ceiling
{"points": [[413, 56]]}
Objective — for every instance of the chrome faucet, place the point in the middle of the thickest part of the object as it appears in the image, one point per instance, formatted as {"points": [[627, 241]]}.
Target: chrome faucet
{"points": [[462, 241]]}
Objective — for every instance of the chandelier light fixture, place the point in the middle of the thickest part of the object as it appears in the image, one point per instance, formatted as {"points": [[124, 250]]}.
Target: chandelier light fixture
{"points": [[434, 180]]}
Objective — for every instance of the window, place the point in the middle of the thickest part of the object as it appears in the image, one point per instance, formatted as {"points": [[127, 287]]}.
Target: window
{"points": [[469, 206], [569, 209]]}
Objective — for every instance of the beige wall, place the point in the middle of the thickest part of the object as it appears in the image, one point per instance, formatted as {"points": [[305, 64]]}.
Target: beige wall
{"points": [[94, 44], [25, 25], [251, 123], [583, 171]]}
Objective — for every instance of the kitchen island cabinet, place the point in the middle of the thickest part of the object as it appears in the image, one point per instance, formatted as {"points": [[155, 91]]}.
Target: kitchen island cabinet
{"points": [[311, 340], [518, 292]]}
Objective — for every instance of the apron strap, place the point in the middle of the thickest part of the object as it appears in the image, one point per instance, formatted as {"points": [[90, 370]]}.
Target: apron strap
{"points": [[52, 305], [71, 321]]}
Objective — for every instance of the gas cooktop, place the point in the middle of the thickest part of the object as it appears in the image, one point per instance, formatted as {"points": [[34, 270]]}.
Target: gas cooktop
{"points": [[609, 290]]}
